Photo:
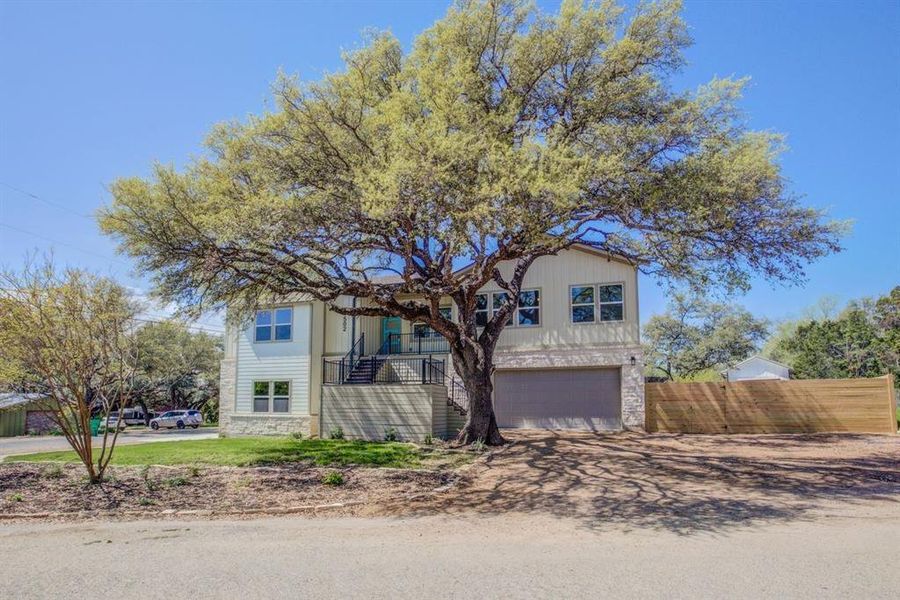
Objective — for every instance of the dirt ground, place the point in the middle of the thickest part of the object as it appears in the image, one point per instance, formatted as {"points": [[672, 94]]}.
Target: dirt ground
{"points": [[683, 483], [141, 492]]}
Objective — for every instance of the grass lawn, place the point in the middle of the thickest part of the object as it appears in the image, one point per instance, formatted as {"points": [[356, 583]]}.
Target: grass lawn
{"points": [[243, 452]]}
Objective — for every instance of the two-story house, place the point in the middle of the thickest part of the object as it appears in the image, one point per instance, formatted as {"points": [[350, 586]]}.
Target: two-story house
{"points": [[570, 358]]}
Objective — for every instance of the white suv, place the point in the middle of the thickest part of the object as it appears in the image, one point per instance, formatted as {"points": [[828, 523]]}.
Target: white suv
{"points": [[177, 418]]}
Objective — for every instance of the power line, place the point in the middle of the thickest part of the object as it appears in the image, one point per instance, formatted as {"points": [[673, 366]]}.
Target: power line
{"points": [[208, 329], [61, 243], [45, 201]]}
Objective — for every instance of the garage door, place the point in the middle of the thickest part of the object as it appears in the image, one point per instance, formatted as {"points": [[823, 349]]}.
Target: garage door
{"points": [[558, 399]]}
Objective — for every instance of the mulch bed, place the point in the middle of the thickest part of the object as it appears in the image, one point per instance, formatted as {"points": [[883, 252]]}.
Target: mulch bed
{"points": [[56, 491]]}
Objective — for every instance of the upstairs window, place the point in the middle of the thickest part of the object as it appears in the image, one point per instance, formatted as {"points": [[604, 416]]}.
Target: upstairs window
{"points": [[274, 324], [612, 302], [526, 314], [481, 310], [596, 303], [421, 330], [528, 311], [583, 298]]}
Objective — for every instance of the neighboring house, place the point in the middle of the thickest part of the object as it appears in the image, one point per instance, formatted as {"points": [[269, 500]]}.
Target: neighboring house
{"points": [[757, 367], [22, 413], [571, 358]]}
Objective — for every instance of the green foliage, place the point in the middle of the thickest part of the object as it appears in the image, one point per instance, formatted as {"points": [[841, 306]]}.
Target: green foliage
{"points": [[861, 341], [696, 336], [333, 478], [68, 335], [247, 451], [505, 133], [428, 439], [297, 435], [337, 433], [176, 481], [16, 497], [391, 434], [177, 366]]}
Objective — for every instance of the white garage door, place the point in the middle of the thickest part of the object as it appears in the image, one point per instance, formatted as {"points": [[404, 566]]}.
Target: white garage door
{"points": [[559, 399]]}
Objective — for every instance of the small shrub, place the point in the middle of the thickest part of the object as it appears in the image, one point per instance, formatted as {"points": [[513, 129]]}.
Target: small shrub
{"points": [[297, 435], [53, 472], [479, 446], [428, 439], [17, 497], [145, 475], [337, 433], [333, 478], [176, 481], [194, 471], [146, 502], [391, 434]]}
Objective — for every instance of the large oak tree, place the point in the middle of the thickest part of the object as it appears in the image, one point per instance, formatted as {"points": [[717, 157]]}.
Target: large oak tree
{"points": [[504, 134]]}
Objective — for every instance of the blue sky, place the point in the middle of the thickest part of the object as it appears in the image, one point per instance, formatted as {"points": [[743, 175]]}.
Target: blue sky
{"points": [[94, 91]]}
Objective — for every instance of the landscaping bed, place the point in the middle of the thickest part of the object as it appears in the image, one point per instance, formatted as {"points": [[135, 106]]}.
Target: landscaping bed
{"points": [[227, 477]]}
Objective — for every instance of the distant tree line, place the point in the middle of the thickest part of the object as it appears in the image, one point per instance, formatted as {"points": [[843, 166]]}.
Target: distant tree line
{"points": [[696, 338]]}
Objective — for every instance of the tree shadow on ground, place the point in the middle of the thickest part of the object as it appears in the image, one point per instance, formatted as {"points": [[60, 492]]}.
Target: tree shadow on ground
{"points": [[683, 484]]}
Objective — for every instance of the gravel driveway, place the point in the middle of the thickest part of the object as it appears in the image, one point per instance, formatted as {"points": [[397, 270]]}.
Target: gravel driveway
{"points": [[49, 443]]}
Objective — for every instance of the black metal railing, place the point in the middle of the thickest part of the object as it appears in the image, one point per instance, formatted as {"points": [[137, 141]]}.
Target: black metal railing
{"points": [[378, 370], [339, 370], [414, 343], [458, 396]]}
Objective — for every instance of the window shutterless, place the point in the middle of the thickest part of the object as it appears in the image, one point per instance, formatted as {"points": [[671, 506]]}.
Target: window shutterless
{"points": [[593, 303], [274, 324], [272, 396]]}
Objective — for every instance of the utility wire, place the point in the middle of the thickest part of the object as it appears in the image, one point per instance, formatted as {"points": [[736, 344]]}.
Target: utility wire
{"points": [[61, 243], [45, 201]]}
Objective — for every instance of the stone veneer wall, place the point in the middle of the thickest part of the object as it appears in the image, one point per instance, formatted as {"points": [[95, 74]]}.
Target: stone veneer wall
{"points": [[614, 356]]}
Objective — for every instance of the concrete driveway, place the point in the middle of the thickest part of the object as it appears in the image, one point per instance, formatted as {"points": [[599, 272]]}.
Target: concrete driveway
{"points": [[49, 443]]}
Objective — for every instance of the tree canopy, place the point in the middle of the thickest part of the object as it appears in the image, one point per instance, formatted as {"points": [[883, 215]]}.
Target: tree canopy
{"points": [[70, 337], [862, 341], [504, 134], [695, 334]]}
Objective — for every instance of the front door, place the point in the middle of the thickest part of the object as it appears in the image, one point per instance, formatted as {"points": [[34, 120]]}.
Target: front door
{"points": [[390, 334]]}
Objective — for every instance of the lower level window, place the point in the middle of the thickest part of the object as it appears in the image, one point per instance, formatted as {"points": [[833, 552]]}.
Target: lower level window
{"points": [[272, 396]]}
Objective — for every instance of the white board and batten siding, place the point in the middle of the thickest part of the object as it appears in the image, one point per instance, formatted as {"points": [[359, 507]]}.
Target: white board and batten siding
{"points": [[276, 361]]}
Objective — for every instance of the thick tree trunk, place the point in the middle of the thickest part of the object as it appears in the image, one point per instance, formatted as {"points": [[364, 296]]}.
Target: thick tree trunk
{"points": [[474, 368]]}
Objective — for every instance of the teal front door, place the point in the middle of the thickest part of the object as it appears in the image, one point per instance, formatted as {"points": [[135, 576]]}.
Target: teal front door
{"points": [[390, 334]]}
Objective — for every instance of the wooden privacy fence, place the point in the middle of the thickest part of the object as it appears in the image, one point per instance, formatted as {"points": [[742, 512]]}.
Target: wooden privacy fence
{"points": [[773, 406]]}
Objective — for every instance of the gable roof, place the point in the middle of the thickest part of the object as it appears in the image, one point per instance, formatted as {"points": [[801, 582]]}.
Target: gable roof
{"points": [[762, 358], [387, 279]]}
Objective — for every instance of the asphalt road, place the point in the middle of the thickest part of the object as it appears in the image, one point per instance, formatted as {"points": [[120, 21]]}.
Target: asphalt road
{"points": [[49, 443], [848, 555]]}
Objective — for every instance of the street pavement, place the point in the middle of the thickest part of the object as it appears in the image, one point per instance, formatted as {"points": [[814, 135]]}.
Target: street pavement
{"points": [[837, 555], [10, 446]]}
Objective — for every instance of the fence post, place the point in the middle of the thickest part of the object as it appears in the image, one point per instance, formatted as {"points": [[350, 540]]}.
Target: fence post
{"points": [[424, 366], [892, 402], [372, 370]]}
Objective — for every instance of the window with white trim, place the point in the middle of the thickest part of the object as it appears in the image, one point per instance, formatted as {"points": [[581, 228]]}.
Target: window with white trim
{"points": [[422, 330], [481, 310], [596, 303], [611, 299], [274, 325], [527, 312], [272, 396], [582, 299], [528, 309]]}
